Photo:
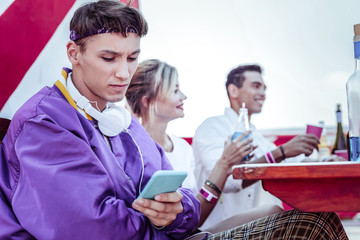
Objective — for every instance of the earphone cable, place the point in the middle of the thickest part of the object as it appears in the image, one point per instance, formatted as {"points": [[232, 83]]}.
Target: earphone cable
{"points": [[141, 157]]}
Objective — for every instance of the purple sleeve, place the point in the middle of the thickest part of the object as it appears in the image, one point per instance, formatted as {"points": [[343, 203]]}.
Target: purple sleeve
{"points": [[63, 191]]}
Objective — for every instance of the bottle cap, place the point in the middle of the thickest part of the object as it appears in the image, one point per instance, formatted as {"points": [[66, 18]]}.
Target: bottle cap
{"points": [[338, 107], [357, 29], [243, 108]]}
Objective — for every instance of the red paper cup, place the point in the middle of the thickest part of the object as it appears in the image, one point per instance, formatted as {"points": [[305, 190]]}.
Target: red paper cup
{"points": [[313, 129], [342, 153]]}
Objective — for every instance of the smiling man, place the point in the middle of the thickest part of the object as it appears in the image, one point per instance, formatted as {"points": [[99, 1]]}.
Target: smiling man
{"points": [[72, 162], [244, 85]]}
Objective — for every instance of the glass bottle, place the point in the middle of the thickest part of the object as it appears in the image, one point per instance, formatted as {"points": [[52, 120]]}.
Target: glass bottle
{"points": [[348, 145], [340, 142], [353, 101], [324, 149], [242, 125]]}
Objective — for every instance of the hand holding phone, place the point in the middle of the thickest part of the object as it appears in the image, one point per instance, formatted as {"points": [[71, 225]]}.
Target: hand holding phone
{"points": [[163, 181]]}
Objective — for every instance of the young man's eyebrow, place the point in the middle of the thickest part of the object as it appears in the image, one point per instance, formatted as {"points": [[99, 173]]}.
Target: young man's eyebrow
{"points": [[118, 53], [110, 51], [259, 83]]}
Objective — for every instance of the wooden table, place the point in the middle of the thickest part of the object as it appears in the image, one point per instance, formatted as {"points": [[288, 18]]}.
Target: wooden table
{"points": [[330, 186]]}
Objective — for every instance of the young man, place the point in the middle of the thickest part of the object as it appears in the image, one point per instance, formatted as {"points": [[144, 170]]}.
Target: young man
{"points": [[72, 163], [244, 85]]}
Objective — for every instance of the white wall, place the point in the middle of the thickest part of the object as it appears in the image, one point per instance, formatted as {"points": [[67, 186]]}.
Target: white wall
{"points": [[305, 48]]}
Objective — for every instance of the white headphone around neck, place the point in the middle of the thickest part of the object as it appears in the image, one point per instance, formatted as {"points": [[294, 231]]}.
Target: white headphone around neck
{"points": [[112, 121]]}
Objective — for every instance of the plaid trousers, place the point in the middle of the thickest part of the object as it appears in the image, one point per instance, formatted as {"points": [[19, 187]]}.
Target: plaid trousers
{"points": [[292, 225]]}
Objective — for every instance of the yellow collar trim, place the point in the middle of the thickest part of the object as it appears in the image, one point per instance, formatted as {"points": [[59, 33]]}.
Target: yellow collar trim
{"points": [[65, 92]]}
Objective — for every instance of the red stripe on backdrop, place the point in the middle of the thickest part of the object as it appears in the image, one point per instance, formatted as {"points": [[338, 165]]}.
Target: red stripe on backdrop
{"points": [[134, 3], [26, 27]]}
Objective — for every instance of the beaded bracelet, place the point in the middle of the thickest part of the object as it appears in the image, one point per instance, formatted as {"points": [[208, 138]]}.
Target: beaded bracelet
{"points": [[156, 227], [269, 157], [159, 228], [213, 186]]}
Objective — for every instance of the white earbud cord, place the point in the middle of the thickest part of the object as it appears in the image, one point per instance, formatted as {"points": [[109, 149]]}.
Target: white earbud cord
{"points": [[141, 157]]}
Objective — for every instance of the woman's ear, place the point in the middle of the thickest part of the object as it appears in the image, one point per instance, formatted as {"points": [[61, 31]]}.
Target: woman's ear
{"points": [[145, 101], [72, 52], [233, 91]]}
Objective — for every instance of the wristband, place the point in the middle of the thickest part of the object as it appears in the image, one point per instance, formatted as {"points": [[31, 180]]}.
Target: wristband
{"points": [[213, 186], [269, 157], [208, 195], [282, 151], [156, 227]]}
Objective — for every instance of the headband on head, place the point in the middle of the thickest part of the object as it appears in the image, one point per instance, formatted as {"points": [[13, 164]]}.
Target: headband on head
{"points": [[75, 36]]}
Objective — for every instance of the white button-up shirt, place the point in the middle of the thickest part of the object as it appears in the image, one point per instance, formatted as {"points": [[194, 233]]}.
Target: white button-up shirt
{"points": [[208, 146]]}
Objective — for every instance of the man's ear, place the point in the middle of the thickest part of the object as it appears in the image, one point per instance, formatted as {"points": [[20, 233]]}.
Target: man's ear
{"points": [[233, 91], [72, 50]]}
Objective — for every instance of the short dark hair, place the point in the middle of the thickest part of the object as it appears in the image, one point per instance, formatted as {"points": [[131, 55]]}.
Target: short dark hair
{"points": [[236, 76], [109, 14]]}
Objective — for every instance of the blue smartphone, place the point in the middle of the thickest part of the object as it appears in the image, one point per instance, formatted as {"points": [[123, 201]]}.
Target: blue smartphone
{"points": [[163, 181]]}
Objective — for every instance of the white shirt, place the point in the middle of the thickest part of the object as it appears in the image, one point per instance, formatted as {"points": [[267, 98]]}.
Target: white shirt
{"points": [[208, 146], [182, 159]]}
